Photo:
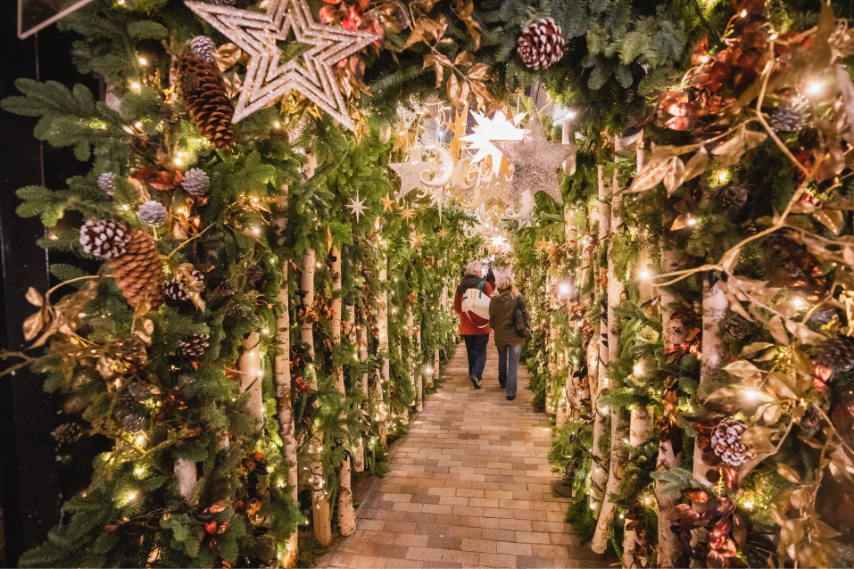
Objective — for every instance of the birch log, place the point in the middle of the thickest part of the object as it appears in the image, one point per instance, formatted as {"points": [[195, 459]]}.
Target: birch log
{"points": [[599, 478], [419, 387], [185, 472], [284, 408], [619, 422], [568, 137], [320, 506], [382, 323], [346, 513], [673, 332], [714, 309]]}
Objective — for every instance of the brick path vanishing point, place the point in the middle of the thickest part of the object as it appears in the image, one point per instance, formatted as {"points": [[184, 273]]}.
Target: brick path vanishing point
{"points": [[470, 486]]}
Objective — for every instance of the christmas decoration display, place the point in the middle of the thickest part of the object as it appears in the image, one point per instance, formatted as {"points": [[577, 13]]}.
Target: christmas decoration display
{"points": [[541, 44], [266, 81], [688, 271]]}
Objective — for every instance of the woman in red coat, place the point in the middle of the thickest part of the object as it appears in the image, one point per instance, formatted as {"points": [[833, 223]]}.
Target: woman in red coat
{"points": [[474, 329]]}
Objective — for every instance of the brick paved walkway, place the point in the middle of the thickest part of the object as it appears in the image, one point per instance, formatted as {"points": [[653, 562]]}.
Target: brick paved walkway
{"points": [[469, 487]]}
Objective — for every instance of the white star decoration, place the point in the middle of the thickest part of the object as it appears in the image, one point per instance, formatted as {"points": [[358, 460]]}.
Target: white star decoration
{"points": [[357, 206], [487, 130], [266, 78]]}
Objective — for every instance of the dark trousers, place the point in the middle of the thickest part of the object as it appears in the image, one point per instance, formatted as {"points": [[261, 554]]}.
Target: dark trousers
{"points": [[508, 363], [476, 350]]}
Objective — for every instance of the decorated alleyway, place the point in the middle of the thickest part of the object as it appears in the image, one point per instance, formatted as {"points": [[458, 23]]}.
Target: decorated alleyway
{"points": [[470, 487]]}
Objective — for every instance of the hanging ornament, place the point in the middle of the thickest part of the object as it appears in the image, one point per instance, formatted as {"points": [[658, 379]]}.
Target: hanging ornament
{"points": [[416, 174], [356, 206], [536, 161], [407, 213], [267, 80]]}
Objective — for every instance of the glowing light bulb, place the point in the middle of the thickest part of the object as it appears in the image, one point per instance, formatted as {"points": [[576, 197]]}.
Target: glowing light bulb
{"points": [[135, 86], [692, 221], [142, 61], [265, 331], [138, 471], [748, 504], [256, 231], [722, 177], [132, 496], [814, 87], [276, 124], [563, 289], [137, 124], [798, 302], [704, 58], [743, 13], [319, 265], [643, 275], [140, 439]]}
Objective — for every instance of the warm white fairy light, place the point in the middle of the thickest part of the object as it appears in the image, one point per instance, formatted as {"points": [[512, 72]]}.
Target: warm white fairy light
{"points": [[643, 275], [135, 86], [143, 61]]}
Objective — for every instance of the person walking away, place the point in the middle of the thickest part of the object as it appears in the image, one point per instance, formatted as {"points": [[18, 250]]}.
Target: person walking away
{"points": [[511, 329], [474, 329]]}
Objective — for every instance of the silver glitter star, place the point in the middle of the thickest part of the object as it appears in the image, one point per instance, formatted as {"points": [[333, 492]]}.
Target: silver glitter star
{"points": [[410, 173], [356, 206], [536, 161], [267, 79]]}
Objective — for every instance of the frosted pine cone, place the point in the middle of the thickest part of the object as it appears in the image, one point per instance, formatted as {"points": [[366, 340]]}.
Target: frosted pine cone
{"points": [[106, 238], [541, 44], [736, 327], [152, 213], [204, 48], [133, 423], [194, 345], [726, 442], [732, 196], [67, 433], [107, 183], [176, 290], [790, 117], [837, 354], [196, 182], [126, 404]]}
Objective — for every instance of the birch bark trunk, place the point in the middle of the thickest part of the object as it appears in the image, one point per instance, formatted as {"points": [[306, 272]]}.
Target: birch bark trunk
{"points": [[320, 506], [382, 323]]}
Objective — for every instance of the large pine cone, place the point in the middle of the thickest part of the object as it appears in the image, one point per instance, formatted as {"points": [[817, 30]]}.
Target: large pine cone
{"points": [[206, 101], [138, 273], [726, 442], [837, 354], [67, 433], [541, 44], [194, 345]]}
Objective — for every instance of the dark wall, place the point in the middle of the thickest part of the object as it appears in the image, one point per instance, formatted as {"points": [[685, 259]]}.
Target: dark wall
{"points": [[31, 482]]}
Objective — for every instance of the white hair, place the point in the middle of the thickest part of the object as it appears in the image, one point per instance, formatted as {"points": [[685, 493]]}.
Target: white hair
{"points": [[505, 281], [474, 268]]}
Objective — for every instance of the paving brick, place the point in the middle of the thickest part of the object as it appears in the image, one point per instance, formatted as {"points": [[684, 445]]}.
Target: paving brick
{"points": [[444, 542], [513, 548], [497, 560]]}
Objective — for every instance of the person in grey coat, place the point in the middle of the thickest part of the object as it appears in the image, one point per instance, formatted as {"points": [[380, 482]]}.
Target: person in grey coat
{"points": [[502, 319]]}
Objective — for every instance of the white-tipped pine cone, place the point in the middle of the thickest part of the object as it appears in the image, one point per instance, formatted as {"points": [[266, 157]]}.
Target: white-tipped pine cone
{"points": [[541, 44], [106, 238], [176, 290], [726, 442], [204, 48], [194, 345], [67, 433], [196, 182]]}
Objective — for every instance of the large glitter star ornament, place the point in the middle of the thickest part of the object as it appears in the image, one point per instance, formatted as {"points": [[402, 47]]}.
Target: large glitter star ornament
{"points": [[536, 161], [357, 206], [487, 130], [410, 173], [267, 76]]}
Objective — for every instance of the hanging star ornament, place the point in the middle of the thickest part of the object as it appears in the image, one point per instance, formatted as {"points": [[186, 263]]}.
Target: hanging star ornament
{"points": [[407, 213], [388, 203], [536, 161], [488, 130], [410, 173], [357, 206], [267, 76]]}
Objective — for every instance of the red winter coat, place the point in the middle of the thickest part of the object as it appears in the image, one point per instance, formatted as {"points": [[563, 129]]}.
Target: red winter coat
{"points": [[470, 324]]}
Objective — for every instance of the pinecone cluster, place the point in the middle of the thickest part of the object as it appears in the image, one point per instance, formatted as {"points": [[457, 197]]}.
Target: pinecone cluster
{"points": [[152, 213], [736, 327], [732, 196], [204, 48], [127, 407], [138, 272], [726, 442], [194, 345], [196, 182], [107, 239], [790, 117], [107, 183], [837, 354], [541, 44], [67, 433], [206, 101], [176, 289]]}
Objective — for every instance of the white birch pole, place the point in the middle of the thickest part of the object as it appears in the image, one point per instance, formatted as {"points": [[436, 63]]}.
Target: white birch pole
{"points": [[599, 478], [673, 332], [619, 421], [346, 513], [382, 323], [419, 380], [284, 407], [320, 506], [714, 309]]}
